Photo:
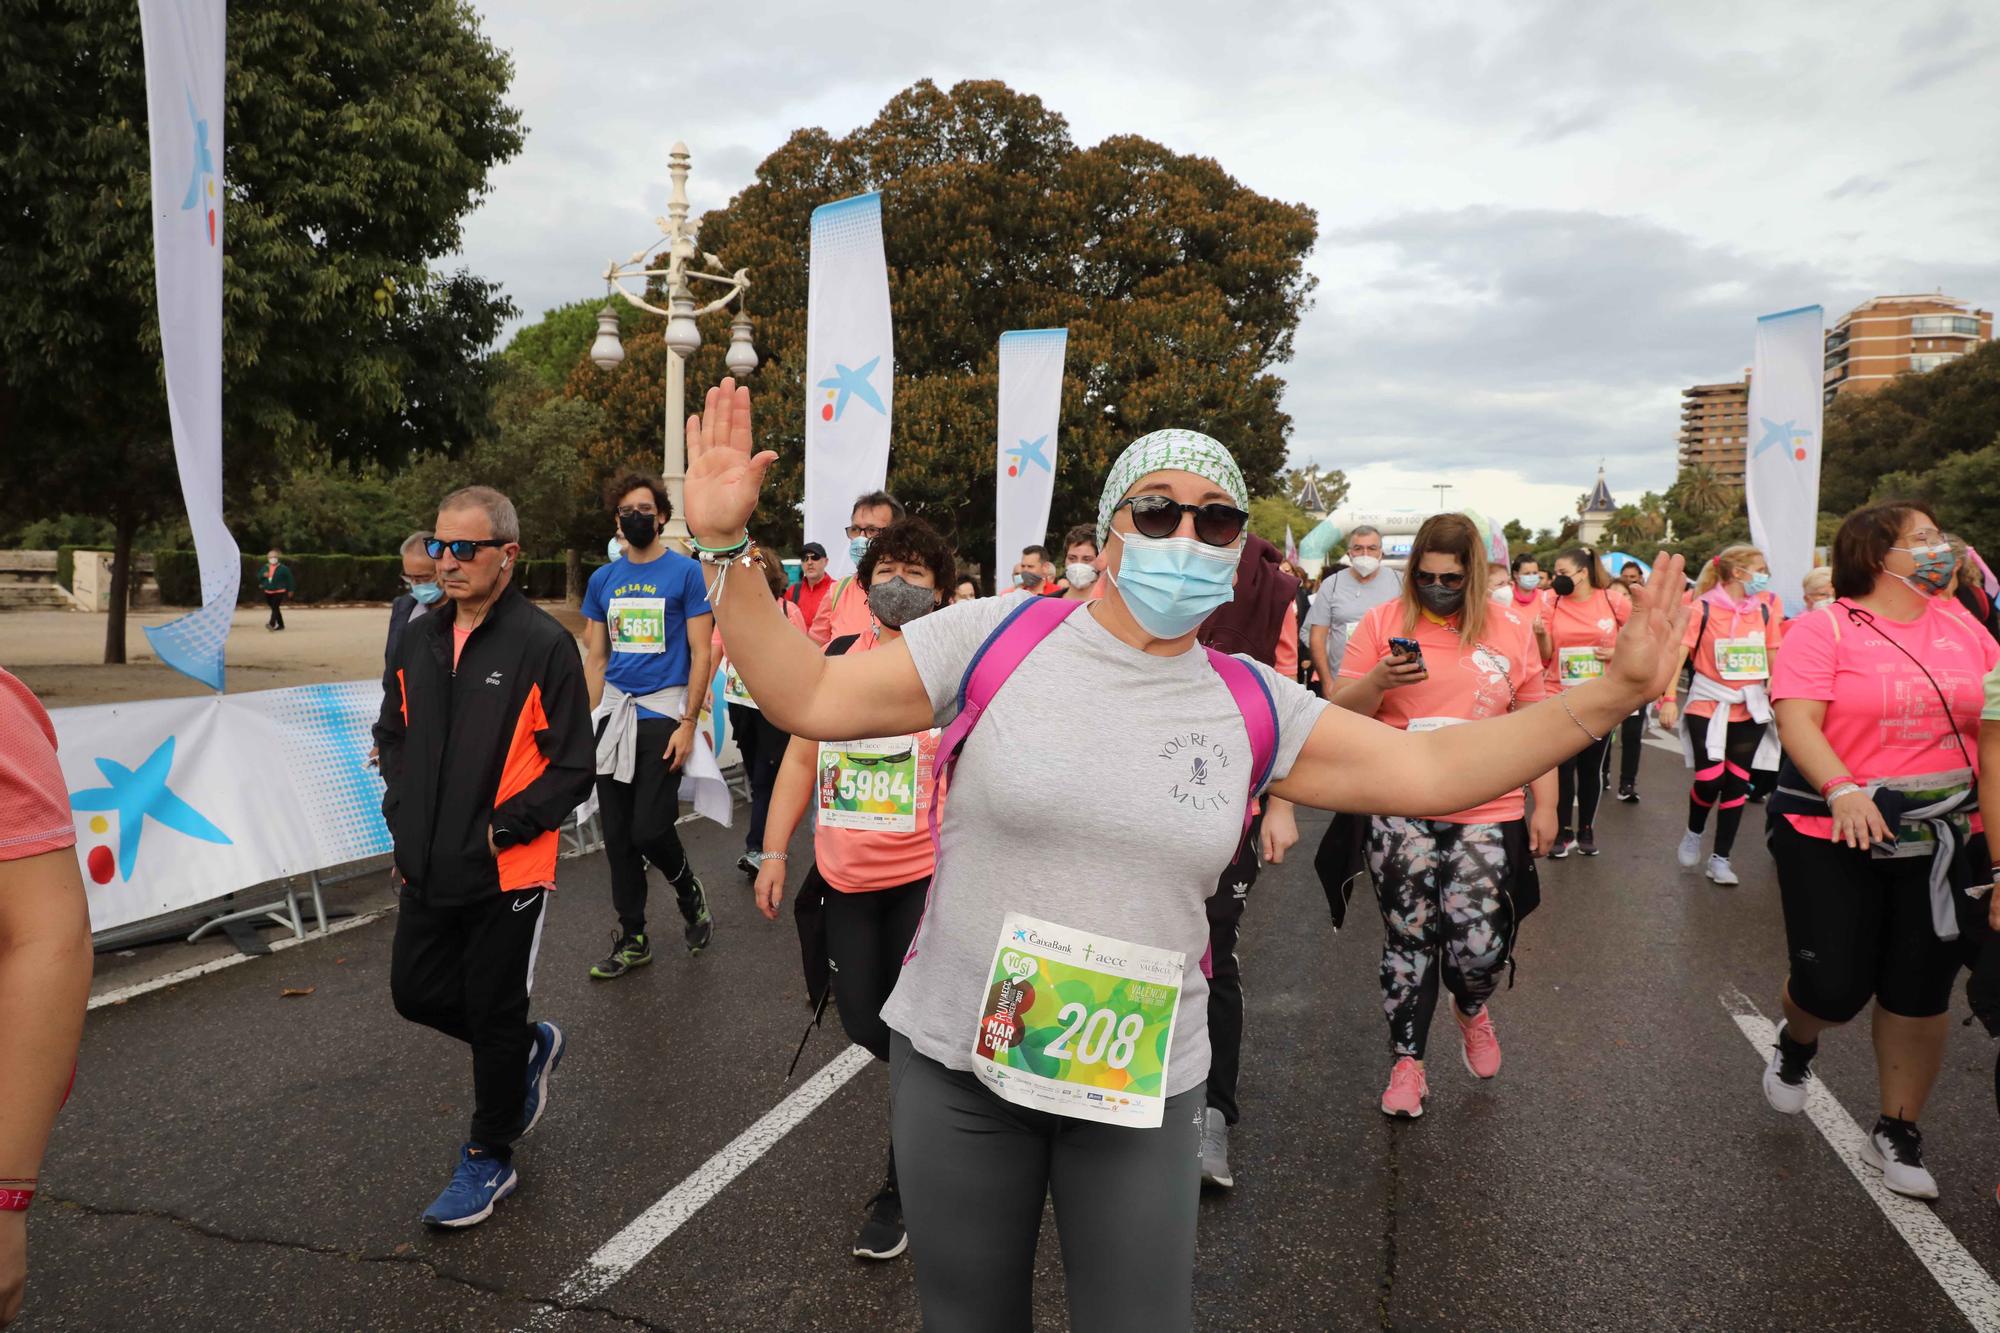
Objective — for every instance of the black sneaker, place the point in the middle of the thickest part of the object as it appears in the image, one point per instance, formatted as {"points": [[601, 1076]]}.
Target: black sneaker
{"points": [[1563, 846], [1627, 792], [882, 1235], [694, 910], [747, 863], [627, 952], [1586, 841]]}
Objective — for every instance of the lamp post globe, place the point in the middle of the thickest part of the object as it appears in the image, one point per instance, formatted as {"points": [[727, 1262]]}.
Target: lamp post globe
{"points": [[742, 355], [683, 334], [606, 350]]}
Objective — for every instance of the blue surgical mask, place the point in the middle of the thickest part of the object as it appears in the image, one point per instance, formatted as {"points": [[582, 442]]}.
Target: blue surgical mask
{"points": [[856, 548], [1934, 566], [1528, 582], [611, 550], [1757, 583], [427, 593], [1171, 584]]}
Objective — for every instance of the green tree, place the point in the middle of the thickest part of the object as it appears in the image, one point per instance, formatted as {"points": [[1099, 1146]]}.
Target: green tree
{"points": [[1910, 427], [1960, 489], [1270, 515], [1332, 484], [357, 137], [1180, 288]]}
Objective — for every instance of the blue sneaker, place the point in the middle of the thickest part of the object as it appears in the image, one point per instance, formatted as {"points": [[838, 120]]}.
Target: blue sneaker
{"points": [[542, 1062], [481, 1181]]}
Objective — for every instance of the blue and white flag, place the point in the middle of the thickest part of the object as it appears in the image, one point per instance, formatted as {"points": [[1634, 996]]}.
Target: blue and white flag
{"points": [[184, 64], [1031, 371], [1781, 472], [850, 370]]}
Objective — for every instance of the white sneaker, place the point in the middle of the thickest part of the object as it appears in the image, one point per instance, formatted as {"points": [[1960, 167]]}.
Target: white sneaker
{"points": [[1787, 1084], [1895, 1147], [1719, 871], [1689, 853]]}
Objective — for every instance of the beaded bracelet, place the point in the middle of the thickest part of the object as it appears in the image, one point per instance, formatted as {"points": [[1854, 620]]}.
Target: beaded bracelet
{"points": [[719, 552], [1831, 783]]}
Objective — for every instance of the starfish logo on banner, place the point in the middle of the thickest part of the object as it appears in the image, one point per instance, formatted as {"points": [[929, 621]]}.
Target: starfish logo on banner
{"points": [[1026, 452], [201, 180], [847, 383], [1787, 435], [136, 796]]}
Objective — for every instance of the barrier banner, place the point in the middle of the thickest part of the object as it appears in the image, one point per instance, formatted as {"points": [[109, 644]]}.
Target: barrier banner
{"points": [[1024, 476], [184, 68], [1781, 475], [179, 801], [850, 370]]}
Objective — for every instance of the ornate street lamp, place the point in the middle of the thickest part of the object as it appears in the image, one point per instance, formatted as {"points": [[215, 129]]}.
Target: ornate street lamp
{"points": [[683, 334]]}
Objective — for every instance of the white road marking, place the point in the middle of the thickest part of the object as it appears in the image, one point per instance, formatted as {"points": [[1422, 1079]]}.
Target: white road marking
{"points": [[1971, 1288], [644, 1234], [124, 993]]}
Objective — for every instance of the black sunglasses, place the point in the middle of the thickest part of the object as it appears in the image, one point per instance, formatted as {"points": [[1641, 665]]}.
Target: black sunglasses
{"points": [[465, 548], [1159, 516], [1424, 578]]}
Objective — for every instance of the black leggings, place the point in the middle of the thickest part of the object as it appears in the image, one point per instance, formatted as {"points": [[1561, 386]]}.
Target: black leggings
{"points": [[1724, 782], [276, 601], [1580, 779], [763, 747], [867, 935], [1225, 976], [1631, 733], [1858, 926], [640, 819]]}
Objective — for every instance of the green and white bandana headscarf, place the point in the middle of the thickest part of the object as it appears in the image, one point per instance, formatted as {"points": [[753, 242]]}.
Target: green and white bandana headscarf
{"points": [[1165, 450]]}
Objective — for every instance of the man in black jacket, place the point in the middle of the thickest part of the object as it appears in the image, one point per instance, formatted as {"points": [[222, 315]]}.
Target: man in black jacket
{"points": [[422, 592], [486, 748]]}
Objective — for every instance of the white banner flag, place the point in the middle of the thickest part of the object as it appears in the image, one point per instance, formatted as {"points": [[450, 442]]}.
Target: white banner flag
{"points": [[850, 370], [1031, 370], [184, 64], [1781, 473]]}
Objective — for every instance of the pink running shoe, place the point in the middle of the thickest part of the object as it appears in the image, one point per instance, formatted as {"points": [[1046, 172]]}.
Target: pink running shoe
{"points": [[1482, 1043], [1407, 1089]]}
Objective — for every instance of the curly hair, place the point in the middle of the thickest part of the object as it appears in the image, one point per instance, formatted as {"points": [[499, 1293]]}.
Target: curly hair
{"points": [[911, 541], [624, 483]]}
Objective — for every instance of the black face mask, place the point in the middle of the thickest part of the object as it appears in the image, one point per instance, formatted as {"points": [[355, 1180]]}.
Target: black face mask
{"points": [[639, 529], [1445, 601], [1563, 584]]}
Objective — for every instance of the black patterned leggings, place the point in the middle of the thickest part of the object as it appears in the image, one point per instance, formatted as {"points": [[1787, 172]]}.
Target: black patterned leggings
{"points": [[1443, 910]]}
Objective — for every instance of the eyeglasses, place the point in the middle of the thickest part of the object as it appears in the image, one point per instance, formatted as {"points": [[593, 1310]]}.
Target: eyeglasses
{"points": [[871, 533], [1423, 578], [410, 581], [633, 511], [1159, 516], [465, 548]]}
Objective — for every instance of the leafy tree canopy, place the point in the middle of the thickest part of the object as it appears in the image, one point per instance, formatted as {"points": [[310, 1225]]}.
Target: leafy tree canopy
{"points": [[1180, 288]]}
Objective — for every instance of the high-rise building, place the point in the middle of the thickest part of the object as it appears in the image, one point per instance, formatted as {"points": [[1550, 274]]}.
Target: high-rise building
{"points": [[1715, 427], [1893, 335]]}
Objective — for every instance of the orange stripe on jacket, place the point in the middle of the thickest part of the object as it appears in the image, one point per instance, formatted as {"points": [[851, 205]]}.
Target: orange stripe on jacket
{"points": [[403, 687], [530, 863]]}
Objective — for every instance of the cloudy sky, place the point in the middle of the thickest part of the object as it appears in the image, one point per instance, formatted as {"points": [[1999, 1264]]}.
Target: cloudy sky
{"points": [[1538, 221]]}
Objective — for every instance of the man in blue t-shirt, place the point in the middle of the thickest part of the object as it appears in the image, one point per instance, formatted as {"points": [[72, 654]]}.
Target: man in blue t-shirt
{"points": [[647, 634]]}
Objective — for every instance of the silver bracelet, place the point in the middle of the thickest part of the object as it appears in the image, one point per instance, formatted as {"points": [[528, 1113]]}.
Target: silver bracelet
{"points": [[1563, 699], [774, 856]]}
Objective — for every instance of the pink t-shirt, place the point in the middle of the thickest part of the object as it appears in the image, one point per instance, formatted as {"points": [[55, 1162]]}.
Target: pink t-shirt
{"points": [[34, 800], [863, 860], [1499, 673], [1729, 619], [1589, 622], [1883, 718]]}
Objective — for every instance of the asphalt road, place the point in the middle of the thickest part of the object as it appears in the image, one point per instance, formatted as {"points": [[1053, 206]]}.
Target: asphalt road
{"points": [[235, 1159]]}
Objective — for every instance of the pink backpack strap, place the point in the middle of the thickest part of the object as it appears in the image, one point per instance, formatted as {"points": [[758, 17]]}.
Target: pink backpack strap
{"points": [[1005, 649], [1260, 718]]}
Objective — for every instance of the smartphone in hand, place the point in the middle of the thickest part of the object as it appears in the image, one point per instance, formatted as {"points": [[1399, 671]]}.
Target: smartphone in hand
{"points": [[1408, 648]]}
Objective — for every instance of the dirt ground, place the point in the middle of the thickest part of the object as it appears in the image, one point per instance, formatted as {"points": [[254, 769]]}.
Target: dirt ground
{"points": [[59, 653]]}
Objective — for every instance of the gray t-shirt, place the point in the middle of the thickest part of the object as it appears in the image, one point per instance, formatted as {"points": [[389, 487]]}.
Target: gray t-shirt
{"points": [[1343, 599], [1103, 790]]}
